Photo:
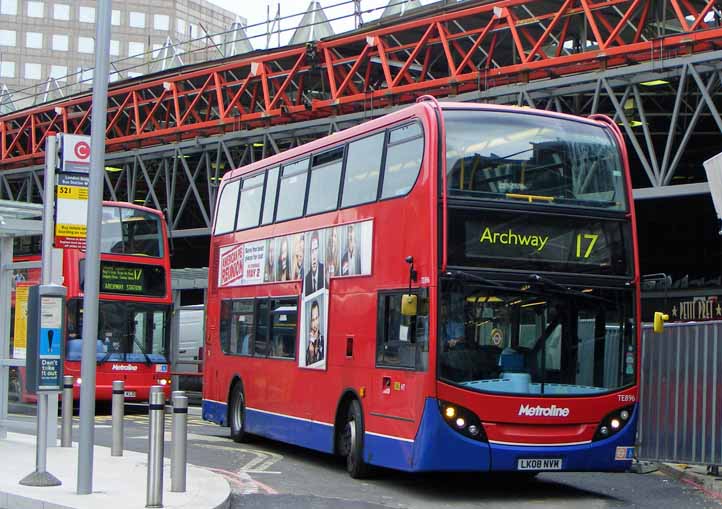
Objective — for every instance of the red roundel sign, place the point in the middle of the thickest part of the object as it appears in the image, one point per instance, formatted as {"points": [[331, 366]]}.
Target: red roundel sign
{"points": [[82, 150]]}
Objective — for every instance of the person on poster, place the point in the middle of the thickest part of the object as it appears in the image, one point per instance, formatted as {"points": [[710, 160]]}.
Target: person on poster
{"points": [[314, 344], [351, 262], [298, 257], [314, 278], [332, 268], [268, 272], [284, 266]]}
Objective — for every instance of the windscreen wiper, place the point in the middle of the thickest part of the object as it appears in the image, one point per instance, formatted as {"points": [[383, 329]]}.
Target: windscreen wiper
{"points": [[545, 281], [142, 350], [458, 274]]}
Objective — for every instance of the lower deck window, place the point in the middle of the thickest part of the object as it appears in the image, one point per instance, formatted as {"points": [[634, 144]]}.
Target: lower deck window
{"points": [[260, 327]]}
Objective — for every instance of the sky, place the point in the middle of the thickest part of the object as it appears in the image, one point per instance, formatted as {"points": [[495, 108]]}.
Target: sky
{"points": [[255, 12]]}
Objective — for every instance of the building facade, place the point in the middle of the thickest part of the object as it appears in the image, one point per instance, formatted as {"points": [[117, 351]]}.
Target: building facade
{"points": [[47, 48]]}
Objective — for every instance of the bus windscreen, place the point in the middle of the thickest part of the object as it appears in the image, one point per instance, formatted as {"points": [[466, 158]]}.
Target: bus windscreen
{"points": [[537, 339], [131, 231], [499, 155], [127, 331]]}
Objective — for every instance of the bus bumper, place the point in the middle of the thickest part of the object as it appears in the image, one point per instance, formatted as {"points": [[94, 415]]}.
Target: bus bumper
{"points": [[613, 454], [438, 447]]}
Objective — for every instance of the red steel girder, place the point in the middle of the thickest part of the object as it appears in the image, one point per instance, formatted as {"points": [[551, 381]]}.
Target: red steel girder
{"points": [[448, 50]]}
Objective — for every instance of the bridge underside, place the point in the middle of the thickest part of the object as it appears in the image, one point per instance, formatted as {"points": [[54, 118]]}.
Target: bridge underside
{"points": [[654, 66]]}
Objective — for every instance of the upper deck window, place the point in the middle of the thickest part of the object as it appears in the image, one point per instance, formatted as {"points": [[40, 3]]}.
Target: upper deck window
{"points": [[249, 208], [518, 156], [293, 190], [226, 211], [403, 160], [325, 179], [131, 232], [269, 201], [363, 167]]}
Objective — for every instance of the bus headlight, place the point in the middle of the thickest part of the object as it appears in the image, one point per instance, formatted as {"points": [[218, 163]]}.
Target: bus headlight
{"points": [[613, 423], [163, 381], [79, 381], [462, 420]]}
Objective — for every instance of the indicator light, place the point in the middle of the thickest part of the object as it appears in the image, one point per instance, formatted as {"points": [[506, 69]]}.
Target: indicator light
{"points": [[450, 412]]}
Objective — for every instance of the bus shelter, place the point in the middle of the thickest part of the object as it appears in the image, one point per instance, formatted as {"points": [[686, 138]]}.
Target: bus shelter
{"points": [[16, 219]]}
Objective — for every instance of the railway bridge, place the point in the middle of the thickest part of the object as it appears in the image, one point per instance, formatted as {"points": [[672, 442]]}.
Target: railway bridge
{"points": [[653, 65]]}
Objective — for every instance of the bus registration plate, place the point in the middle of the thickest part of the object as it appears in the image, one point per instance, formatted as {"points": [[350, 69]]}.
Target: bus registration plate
{"points": [[129, 394], [539, 464]]}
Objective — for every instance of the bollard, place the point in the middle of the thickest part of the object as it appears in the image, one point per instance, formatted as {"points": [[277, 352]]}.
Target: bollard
{"points": [[118, 416], [156, 411], [66, 435], [180, 442]]}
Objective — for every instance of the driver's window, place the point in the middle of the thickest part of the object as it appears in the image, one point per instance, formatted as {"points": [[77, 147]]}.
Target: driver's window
{"points": [[158, 332], [553, 350], [139, 335]]}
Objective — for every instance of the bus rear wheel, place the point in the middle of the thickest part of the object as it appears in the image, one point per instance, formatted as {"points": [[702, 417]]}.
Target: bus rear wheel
{"points": [[237, 414], [352, 442]]}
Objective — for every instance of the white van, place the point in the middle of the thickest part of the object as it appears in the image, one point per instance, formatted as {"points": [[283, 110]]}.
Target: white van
{"points": [[191, 327]]}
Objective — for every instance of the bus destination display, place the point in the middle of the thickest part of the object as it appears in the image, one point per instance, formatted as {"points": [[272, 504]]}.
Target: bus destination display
{"points": [[536, 242], [131, 279]]}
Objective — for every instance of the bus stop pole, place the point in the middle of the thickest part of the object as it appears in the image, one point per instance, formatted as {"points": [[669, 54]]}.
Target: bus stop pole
{"points": [[92, 253], [49, 412]]}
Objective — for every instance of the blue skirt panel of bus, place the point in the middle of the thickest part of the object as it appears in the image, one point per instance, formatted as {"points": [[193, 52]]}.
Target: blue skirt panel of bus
{"points": [[439, 447], [293, 430], [598, 456], [214, 411]]}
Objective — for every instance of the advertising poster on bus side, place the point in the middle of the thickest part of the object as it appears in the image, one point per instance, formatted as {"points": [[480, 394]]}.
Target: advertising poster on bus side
{"points": [[314, 258]]}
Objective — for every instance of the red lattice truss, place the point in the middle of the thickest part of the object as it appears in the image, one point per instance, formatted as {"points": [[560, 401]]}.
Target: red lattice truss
{"points": [[445, 52]]}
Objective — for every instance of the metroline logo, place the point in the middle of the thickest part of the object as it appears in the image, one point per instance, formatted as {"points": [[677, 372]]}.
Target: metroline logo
{"points": [[543, 411], [124, 367]]}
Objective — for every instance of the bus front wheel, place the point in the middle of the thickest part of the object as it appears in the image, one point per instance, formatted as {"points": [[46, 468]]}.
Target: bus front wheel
{"points": [[352, 442], [237, 415]]}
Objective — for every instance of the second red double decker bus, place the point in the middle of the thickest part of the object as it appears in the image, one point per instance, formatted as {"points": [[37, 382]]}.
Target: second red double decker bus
{"points": [[133, 338], [448, 287]]}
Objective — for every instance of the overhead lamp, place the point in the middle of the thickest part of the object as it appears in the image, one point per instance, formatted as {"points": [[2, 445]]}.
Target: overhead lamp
{"points": [[629, 104], [139, 201], [258, 145], [654, 83], [632, 123], [113, 169]]}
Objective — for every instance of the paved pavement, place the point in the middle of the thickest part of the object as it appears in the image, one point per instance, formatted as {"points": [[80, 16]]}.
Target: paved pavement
{"points": [[118, 482], [697, 476]]}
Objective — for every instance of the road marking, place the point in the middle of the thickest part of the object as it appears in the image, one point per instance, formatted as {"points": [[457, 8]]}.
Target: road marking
{"points": [[244, 483], [262, 461]]}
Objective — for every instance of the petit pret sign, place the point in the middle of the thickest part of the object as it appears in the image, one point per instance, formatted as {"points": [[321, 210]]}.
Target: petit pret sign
{"points": [[122, 279]]}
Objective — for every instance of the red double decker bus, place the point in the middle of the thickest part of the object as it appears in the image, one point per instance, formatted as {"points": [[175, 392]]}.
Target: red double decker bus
{"points": [[135, 302], [448, 287]]}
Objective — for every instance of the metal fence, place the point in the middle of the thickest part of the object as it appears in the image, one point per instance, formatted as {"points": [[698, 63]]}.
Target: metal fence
{"points": [[680, 394]]}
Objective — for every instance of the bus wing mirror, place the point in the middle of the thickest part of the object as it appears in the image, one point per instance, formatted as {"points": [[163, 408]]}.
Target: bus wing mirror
{"points": [[659, 319], [408, 305]]}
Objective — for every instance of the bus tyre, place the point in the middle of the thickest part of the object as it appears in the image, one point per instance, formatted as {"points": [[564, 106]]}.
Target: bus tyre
{"points": [[353, 442], [237, 415]]}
